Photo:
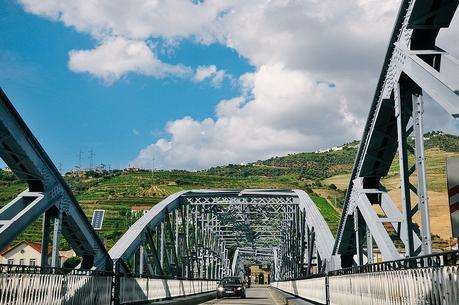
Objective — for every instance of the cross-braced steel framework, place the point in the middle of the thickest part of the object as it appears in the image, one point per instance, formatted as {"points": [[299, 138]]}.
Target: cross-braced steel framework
{"points": [[210, 234], [414, 65], [48, 195]]}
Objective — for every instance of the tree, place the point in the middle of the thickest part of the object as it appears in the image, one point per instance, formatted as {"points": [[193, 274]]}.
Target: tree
{"points": [[72, 262]]}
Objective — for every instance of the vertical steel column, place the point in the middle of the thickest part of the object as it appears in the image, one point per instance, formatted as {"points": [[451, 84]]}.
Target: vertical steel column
{"points": [[370, 255], [45, 238], [207, 246], [227, 272], [212, 268], [418, 111], [187, 241], [358, 239], [194, 231], [198, 243], [275, 265], [134, 262], [178, 257], [402, 121], [141, 258], [56, 240], [161, 251], [311, 241], [298, 241], [303, 241], [222, 260]]}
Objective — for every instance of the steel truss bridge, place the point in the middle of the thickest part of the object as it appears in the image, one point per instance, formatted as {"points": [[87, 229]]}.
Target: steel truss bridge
{"points": [[188, 241]]}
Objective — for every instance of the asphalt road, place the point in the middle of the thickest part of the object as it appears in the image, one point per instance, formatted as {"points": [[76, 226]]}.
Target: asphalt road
{"points": [[255, 296]]}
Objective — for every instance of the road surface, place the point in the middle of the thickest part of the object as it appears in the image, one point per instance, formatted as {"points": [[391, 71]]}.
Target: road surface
{"points": [[255, 296]]}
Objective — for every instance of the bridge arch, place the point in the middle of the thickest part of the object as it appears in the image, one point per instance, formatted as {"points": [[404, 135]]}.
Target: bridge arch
{"points": [[213, 233]]}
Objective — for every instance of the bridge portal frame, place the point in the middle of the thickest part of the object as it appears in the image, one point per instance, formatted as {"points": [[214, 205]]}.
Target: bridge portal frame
{"points": [[217, 232]]}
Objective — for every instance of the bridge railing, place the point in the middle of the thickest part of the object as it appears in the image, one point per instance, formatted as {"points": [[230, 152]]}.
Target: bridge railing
{"points": [[430, 285], [142, 289], [313, 288], [21, 285], [432, 279]]}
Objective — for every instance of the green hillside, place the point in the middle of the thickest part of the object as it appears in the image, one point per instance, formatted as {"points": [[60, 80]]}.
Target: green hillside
{"points": [[308, 165], [323, 175], [318, 166]]}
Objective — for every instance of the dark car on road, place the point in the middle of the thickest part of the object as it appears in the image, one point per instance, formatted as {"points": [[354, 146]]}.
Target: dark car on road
{"points": [[231, 286]]}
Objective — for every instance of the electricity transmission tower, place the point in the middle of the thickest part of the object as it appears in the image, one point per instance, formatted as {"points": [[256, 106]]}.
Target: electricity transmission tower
{"points": [[91, 158]]}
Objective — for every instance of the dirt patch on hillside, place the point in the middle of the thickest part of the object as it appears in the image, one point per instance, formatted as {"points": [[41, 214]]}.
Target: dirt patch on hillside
{"points": [[440, 223]]}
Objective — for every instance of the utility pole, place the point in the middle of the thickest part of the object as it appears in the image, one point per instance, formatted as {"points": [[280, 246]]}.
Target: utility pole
{"points": [[91, 158], [80, 159]]}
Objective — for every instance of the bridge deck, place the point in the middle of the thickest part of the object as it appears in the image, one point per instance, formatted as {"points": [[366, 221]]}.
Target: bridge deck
{"points": [[255, 296]]}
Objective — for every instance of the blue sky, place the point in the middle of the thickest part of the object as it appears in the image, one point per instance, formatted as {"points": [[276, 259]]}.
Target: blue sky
{"points": [[196, 84], [69, 112]]}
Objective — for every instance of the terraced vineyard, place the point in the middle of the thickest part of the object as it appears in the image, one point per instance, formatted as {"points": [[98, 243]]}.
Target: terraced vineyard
{"points": [[124, 190], [117, 192], [323, 175]]}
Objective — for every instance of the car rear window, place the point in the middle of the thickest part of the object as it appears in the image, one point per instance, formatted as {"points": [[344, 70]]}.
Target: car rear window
{"points": [[231, 280]]}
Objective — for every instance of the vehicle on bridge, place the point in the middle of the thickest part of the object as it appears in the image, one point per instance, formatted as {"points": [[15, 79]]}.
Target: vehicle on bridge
{"points": [[231, 286]]}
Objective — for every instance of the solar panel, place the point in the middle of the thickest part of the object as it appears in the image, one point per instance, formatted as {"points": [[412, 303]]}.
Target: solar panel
{"points": [[97, 219]]}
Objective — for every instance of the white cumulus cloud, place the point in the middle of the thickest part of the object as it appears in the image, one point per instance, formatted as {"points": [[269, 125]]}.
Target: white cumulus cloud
{"points": [[297, 48], [284, 111], [211, 73], [117, 56]]}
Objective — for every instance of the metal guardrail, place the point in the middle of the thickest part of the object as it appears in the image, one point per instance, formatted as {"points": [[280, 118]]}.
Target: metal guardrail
{"points": [[431, 285], [430, 279], [312, 289], [424, 261], [134, 290], [21, 285]]}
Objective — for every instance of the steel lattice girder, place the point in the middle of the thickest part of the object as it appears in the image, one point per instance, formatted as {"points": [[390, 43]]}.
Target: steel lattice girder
{"points": [[47, 193], [413, 62], [219, 222]]}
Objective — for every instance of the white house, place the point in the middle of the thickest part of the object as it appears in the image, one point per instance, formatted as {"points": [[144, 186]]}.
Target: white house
{"points": [[29, 254], [23, 253]]}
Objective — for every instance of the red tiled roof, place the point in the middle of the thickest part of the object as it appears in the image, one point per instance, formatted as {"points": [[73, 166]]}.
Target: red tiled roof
{"points": [[36, 246], [140, 207]]}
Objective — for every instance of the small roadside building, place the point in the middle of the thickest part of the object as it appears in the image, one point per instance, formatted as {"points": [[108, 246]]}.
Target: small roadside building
{"points": [[23, 253], [28, 253], [260, 275]]}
